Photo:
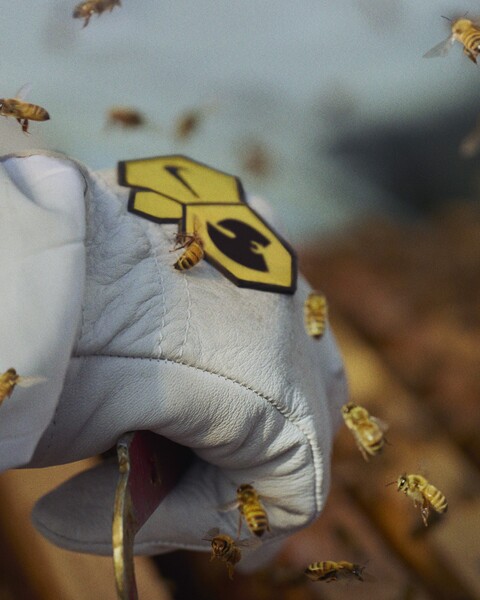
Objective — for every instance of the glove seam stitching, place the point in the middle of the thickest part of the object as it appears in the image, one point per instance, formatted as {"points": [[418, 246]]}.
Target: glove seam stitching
{"points": [[189, 314], [317, 458], [162, 288]]}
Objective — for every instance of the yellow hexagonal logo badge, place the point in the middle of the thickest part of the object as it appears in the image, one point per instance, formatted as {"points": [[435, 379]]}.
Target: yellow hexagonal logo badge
{"points": [[211, 204]]}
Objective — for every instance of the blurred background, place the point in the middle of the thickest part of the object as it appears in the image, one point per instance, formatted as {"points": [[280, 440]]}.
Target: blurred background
{"points": [[328, 110], [368, 153]]}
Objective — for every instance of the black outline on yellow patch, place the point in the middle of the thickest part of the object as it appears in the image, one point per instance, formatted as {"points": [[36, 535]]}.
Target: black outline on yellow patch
{"points": [[269, 287]]}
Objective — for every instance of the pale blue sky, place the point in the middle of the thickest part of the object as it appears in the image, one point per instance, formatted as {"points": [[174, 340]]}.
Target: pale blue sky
{"points": [[275, 70]]}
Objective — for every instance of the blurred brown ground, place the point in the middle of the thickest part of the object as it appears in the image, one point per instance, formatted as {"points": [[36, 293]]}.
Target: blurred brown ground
{"points": [[404, 304]]}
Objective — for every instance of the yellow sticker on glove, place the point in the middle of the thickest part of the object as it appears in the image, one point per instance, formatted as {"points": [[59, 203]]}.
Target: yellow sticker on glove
{"points": [[212, 205]]}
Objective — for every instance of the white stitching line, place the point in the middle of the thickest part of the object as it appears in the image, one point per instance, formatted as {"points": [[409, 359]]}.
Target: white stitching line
{"points": [[153, 252], [189, 314], [317, 458]]}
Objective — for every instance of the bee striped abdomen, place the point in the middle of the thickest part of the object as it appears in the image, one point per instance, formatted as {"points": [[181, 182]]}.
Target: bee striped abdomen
{"points": [[36, 113], [8, 381], [256, 519], [436, 498], [315, 313], [471, 41], [320, 570], [193, 255], [374, 439]]}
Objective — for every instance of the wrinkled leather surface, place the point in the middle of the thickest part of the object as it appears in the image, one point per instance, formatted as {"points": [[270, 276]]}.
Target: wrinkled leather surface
{"points": [[229, 372]]}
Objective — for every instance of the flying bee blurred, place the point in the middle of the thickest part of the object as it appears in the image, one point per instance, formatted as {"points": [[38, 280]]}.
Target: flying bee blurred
{"points": [[466, 32], [227, 549], [21, 110], [193, 244], [315, 312], [256, 159], [125, 117], [10, 379], [329, 570], [251, 509], [85, 10], [423, 494], [471, 142], [367, 430], [189, 121]]}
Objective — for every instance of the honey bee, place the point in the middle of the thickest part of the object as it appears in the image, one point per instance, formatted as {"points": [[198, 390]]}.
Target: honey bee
{"points": [[21, 110], [251, 509], [125, 117], [423, 494], [187, 123], [226, 548], [193, 253], [466, 32], [471, 143], [329, 570], [315, 312], [367, 430], [85, 10], [256, 159], [10, 379]]}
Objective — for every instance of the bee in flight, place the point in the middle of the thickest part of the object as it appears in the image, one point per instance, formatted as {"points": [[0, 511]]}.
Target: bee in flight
{"points": [[256, 159], [471, 142], [10, 379], [125, 117], [423, 494], [193, 244], [251, 509], [189, 121], [315, 314], [466, 32], [226, 548], [329, 570], [367, 430], [21, 110], [85, 10]]}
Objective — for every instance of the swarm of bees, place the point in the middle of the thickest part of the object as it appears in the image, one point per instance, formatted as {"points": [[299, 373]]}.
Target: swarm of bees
{"points": [[466, 32], [251, 509], [11, 378], [369, 432], [315, 314], [85, 10], [21, 110]]}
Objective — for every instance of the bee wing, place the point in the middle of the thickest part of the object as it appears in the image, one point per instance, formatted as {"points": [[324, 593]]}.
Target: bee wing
{"points": [[381, 424], [249, 543], [440, 49], [211, 533], [27, 382], [269, 499], [228, 507], [24, 91]]}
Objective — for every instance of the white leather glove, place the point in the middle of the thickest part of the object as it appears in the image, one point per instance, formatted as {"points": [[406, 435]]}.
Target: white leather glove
{"points": [[90, 300]]}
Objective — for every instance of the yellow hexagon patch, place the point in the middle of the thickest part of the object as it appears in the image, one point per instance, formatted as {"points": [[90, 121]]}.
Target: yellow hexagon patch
{"points": [[211, 204]]}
